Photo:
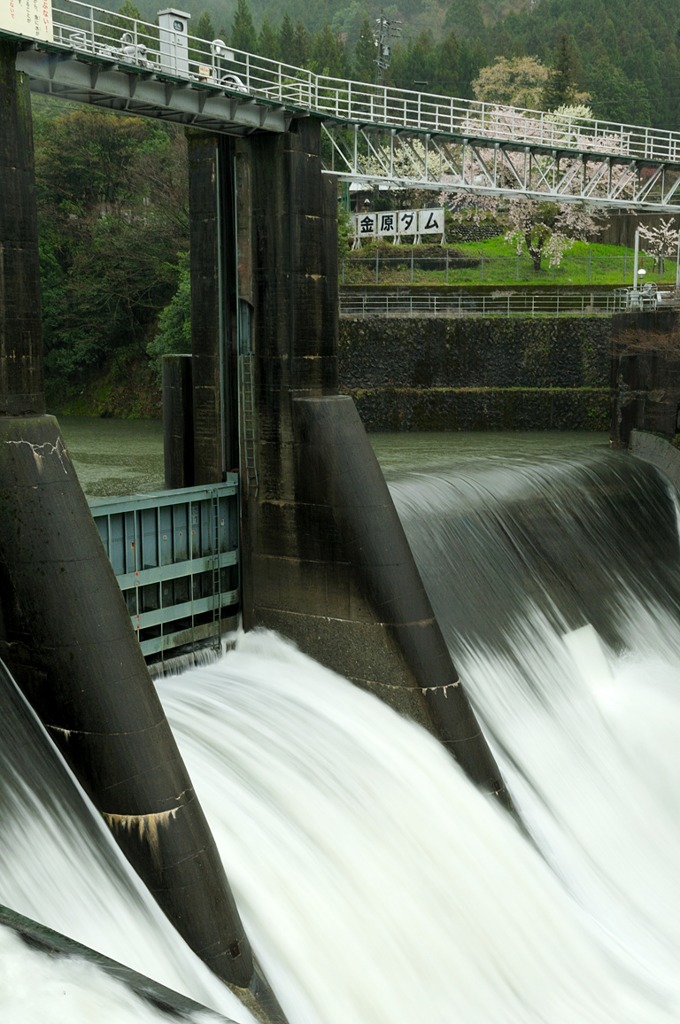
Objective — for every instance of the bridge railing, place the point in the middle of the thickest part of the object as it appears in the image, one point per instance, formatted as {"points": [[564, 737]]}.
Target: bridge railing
{"points": [[117, 38]]}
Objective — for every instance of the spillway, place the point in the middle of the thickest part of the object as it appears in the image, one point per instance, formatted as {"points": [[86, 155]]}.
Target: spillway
{"points": [[375, 882]]}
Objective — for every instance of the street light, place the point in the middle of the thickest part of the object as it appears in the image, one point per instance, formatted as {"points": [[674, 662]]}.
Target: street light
{"points": [[219, 51]]}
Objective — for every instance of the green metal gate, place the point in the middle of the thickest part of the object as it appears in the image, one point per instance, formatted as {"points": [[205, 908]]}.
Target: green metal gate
{"points": [[176, 557]]}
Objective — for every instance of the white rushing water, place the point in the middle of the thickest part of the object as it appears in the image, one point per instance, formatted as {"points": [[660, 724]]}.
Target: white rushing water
{"points": [[36, 988], [376, 884], [60, 866]]}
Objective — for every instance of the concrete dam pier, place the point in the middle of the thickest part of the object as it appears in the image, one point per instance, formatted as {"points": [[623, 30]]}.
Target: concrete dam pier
{"points": [[325, 560]]}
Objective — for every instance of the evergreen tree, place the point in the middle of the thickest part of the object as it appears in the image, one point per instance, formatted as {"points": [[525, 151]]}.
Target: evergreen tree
{"points": [[464, 17], [560, 88], [268, 40], [243, 35], [448, 77], [327, 54], [204, 31], [615, 98], [414, 66], [204, 28], [286, 39], [129, 10], [363, 64], [301, 45]]}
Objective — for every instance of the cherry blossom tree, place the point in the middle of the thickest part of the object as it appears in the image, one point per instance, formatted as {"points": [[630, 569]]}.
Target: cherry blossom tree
{"points": [[660, 241], [542, 228]]}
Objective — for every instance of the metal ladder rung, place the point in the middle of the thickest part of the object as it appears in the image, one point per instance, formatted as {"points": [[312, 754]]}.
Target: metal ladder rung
{"points": [[248, 414]]}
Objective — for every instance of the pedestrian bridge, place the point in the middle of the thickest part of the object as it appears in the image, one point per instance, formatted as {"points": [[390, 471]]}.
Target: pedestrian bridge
{"points": [[373, 133]]}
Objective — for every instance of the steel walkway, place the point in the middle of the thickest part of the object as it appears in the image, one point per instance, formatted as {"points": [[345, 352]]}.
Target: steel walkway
{"points": [[375, 134]]}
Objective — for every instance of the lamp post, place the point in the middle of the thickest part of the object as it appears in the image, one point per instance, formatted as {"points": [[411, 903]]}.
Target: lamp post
{"points": [[219, 52]]}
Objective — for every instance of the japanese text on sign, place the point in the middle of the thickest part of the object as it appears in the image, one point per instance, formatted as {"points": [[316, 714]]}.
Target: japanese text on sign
{"points": [[31, 18], [396, 224]]}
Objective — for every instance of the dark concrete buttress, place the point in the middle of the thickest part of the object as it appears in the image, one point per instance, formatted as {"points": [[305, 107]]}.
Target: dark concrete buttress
{"points": [[65, 632], [21, 360], [326, 561], [645, 374], [213, 305]]}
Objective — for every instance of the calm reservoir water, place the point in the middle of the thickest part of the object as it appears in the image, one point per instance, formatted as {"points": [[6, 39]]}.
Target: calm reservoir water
{"points": [[376, 884], [115, 457]]}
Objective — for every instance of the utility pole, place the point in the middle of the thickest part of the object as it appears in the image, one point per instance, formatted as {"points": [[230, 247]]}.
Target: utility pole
{"points": [[385, 30]]}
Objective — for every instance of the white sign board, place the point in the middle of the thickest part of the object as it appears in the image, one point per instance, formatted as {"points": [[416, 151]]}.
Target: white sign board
{"points": [[31, 18], [397, 224]]}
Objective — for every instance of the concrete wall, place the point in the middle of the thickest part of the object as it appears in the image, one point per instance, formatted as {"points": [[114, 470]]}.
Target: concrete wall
{"points": [[645, 374], [441, 373]]}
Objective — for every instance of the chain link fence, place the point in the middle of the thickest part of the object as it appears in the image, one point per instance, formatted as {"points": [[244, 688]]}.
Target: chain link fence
{"points": [[413, 267]]}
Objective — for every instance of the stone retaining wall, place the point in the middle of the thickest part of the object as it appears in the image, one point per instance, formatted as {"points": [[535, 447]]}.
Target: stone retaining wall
{"points": [[408, 373]]}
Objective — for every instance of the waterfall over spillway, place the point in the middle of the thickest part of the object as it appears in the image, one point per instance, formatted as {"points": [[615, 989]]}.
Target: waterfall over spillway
{"points": [[376, 884], [59, 866]]}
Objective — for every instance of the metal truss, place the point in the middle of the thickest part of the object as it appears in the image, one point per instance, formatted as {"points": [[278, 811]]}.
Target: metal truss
{"points": [[487, 166], [105, 83], [374, 133]]}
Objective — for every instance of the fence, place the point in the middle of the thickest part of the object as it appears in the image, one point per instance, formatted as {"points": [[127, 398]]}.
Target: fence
{"points": [[506, 303], [411, 268]]}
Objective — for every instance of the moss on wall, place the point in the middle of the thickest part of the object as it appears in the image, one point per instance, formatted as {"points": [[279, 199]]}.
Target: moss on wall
{"points": [[431, 373]]}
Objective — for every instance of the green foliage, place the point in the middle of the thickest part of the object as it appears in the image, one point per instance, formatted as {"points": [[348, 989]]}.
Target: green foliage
{"points": [[343, 233], [203, 30], [111, 204], [301, 45], [494, 261], [364, 68], [327, 55], [560, 88], [517, 82], [268, 40], [243, 35], [286, 39], [174, 322]]}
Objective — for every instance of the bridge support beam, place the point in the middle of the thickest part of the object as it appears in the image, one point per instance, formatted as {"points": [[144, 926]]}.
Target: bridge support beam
{"points": [[65, 632], [326, 561]]}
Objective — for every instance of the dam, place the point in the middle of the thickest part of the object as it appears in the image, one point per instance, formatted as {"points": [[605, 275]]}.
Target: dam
{"points": [[328, 561]]}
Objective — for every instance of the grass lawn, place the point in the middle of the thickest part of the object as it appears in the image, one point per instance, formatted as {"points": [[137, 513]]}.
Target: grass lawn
{"points": [[586, 263]]}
